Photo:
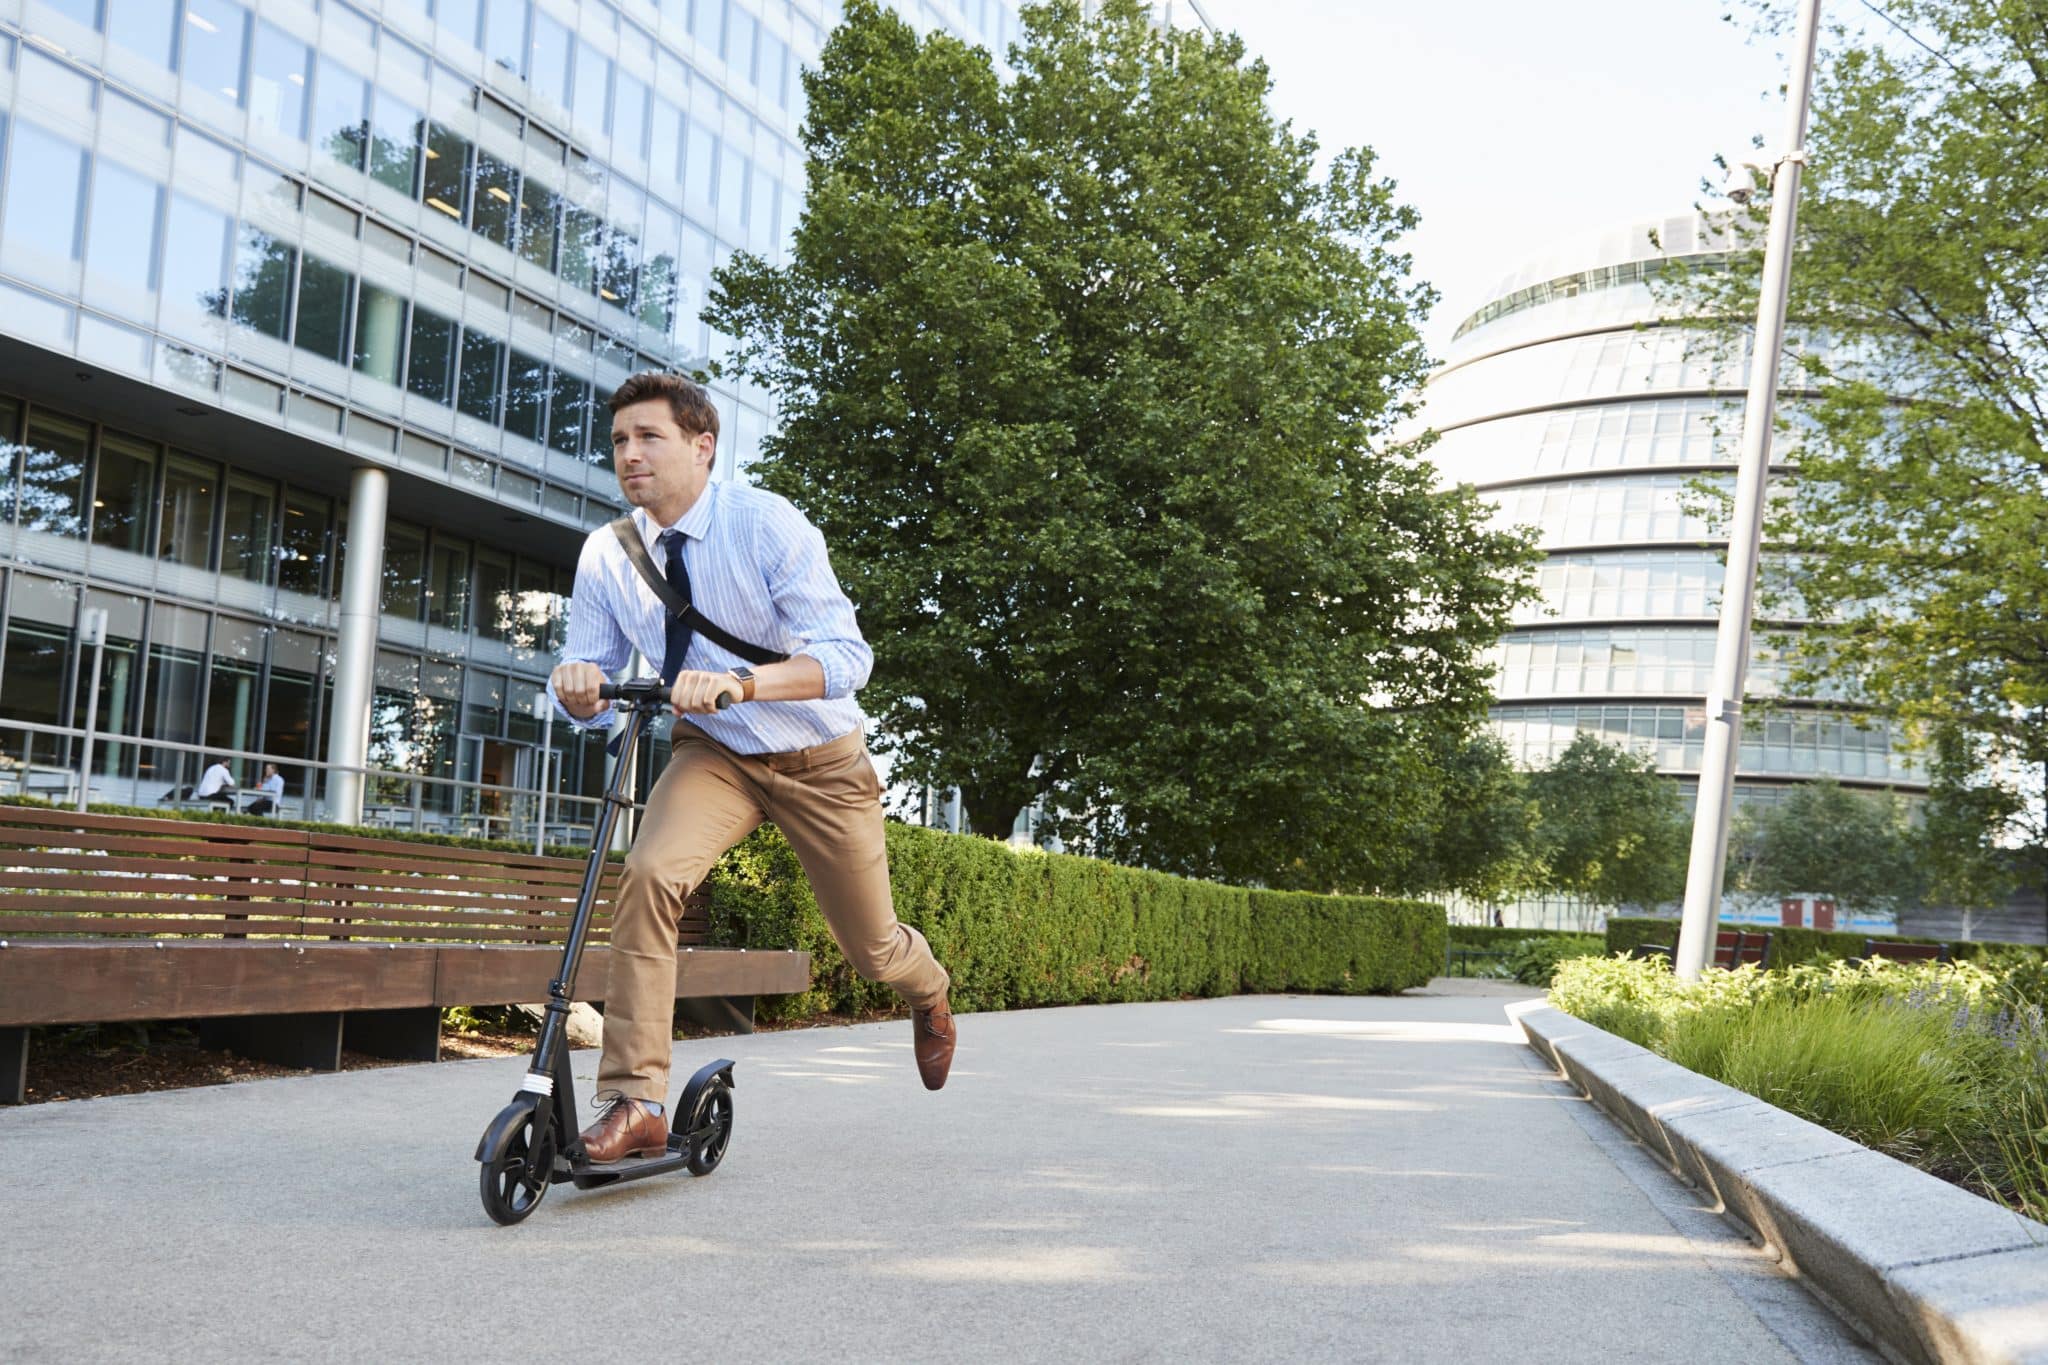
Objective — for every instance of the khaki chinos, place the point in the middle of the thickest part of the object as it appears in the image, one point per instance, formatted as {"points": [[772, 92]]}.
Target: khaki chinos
{"points": [[828, 803]]}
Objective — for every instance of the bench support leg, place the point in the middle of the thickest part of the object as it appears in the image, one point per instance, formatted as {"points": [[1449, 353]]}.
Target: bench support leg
{"points": [[312, 1041], [406, 1035], [721, 1013], [13, 1065]]}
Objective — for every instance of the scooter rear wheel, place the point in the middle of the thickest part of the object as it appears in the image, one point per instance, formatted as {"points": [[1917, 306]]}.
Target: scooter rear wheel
{"points": [[516, 1175], [710, 1127]]}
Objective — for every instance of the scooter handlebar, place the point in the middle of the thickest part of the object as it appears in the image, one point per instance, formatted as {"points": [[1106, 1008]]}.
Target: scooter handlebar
{"points": [[644, 692]]}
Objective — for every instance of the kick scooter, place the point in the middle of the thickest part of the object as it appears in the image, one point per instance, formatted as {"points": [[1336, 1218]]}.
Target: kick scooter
{"points": [[535, 1141]]}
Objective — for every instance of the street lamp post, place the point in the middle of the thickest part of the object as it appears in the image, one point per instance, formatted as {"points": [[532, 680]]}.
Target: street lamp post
{"points": [[92, 630], [1745, 533]]}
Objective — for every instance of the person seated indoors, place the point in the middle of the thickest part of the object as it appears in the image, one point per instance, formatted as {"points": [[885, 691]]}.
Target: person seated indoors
{"points": [[215, 784]]}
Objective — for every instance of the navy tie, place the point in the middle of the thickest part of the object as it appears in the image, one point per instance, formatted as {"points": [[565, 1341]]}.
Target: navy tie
{"points": [[678, 630]]}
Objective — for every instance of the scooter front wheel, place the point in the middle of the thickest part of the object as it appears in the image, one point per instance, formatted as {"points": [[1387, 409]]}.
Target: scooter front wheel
{"points": [[518, 1156], [710, 1127]]}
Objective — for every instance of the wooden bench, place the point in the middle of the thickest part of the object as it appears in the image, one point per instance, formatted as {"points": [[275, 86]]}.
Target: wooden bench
{"points": [[290, 944], [1732, 948]]}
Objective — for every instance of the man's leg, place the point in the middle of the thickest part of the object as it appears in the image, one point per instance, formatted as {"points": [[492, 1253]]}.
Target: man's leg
{"points": [[701, 806], [832, 816]]}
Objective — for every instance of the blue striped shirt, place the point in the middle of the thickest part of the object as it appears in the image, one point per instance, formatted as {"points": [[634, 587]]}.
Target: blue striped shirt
{"points": [[757, 568]]}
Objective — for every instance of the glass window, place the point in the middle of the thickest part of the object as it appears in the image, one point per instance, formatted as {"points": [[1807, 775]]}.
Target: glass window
{"points": [[619, 278], [302, 542], [231, 689], [550, 71], [493, 593], [526, 396], [119, 670], [568, 411], [263, 282], [732, 185], [582, 241], [769, 67], [39, 236], [120, 239], [394, 143], [739, 44], [380, 333], [341, 107], [279, 66], [537, 209], [431, 373], [53, 476], [288, 709], [707, 24], [405, 567], [700, 182], [665, 141], [505, 34], [172, 700], [629, 115], [245, 537], [124, 486], [448, 588], [482, 362], [195, 271], [324, 293], [215, 33], [497, 197], [593, 87], [459, 17], [144, 27], [185, 531], [658, 276], [445, 183], [39, 634]]}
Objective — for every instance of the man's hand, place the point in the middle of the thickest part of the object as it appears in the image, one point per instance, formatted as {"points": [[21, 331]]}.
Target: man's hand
{"points": [[698, 693], [576, 685]]}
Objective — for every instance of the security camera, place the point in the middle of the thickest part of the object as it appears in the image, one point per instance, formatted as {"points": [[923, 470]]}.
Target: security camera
{"points": [[1743, 178]]}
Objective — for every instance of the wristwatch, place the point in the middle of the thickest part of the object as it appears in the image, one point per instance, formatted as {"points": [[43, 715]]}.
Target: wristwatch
{"points": [[746, 677]]}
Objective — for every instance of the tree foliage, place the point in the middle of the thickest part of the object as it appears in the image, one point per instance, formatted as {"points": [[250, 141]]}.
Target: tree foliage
{"points": [[1921, 503], [1088, 380], [1610, 827], [1855, 848]]}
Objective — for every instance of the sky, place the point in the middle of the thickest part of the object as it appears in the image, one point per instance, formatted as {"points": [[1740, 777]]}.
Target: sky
{"points": [[1512, 125]]}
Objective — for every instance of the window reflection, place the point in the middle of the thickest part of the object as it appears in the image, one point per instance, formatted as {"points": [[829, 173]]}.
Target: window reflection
{"points": [[215, 32], [278, 68], [53, 476], [405, 567], [592, 91], [550, 67], [444, 184], [302, 548], [482, 362], [341, 111], [263, 282], [538, 206], [124, 489], [380, 333], [39, 233], [185, 520], [172, 700], [144, 27], [493, 593], [431, 373], [448, 588], [324, 294], [526, 396], [504, 39], [395, 128], [568, 412], [492, 214], [245, 529], [120, 251]]}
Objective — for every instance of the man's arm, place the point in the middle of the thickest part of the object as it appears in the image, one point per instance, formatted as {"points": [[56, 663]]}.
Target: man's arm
{"points": [[834, 661], [595, 649]]}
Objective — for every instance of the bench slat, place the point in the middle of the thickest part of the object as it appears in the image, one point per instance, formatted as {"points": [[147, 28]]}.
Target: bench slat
{"points": [[143, 824]]}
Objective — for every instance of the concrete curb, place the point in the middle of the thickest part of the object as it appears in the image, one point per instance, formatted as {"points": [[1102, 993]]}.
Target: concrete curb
{"points": [[1925, 1270]]}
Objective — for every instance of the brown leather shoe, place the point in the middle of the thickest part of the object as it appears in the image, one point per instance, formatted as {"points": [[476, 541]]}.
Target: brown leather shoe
{"points": [[934, 1035], [626, 1128]]}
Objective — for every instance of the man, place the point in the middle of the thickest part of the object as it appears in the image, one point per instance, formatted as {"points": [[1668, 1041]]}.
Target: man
{"points": [[270, 792], [215, 784], [789, 750]]}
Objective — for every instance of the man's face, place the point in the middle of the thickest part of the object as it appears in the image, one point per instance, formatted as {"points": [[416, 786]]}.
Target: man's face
{"points": [[660, 466]]}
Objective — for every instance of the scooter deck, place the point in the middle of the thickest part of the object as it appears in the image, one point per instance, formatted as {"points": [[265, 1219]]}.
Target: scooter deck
{"points": [[587, 1174]]}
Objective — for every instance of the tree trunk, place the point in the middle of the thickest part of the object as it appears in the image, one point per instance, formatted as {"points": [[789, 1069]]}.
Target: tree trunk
{"points": [[991, 813]]}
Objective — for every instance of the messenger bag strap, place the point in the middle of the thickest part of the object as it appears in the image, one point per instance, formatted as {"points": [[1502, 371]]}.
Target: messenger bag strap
{"points": [[681, 607]]}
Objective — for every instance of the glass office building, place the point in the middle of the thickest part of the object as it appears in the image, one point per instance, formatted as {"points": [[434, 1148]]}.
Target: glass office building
{"points": [[284, 283], [1567, 402]]}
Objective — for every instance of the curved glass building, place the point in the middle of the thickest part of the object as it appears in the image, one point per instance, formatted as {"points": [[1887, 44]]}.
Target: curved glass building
{"points": [[1568, 403], [308, 313]]}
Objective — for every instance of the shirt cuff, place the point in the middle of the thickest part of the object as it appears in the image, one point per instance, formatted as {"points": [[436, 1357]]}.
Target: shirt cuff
{"points": [[600, 721]]}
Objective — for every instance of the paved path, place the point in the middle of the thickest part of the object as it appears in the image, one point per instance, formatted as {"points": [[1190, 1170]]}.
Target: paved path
{"points": [[1260, 1178]]}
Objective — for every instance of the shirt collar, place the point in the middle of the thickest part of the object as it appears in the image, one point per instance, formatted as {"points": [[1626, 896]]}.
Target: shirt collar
{"points": [[695, 523]]}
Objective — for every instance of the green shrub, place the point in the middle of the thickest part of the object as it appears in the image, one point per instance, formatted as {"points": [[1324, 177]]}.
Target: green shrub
{"points": [[1023, 927], [1534, 961], [1791, 947], [1487, 936], [1939, 1064]]}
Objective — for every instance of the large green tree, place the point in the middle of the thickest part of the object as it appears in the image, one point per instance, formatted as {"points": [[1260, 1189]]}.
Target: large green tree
{"points": [[1921, 504], [1089, 380], [1610, 828], [1855, 848]]}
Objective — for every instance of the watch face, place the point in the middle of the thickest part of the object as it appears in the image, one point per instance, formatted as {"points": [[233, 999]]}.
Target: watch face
{"points": [[743, 674]]}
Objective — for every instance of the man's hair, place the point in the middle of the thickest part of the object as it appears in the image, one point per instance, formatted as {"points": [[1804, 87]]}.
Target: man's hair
{"points": [[688, 402]]}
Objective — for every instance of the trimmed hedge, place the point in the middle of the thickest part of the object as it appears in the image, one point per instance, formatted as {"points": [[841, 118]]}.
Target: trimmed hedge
{"points": [[1790, 946], [1486, 936], [1022, 927]]}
